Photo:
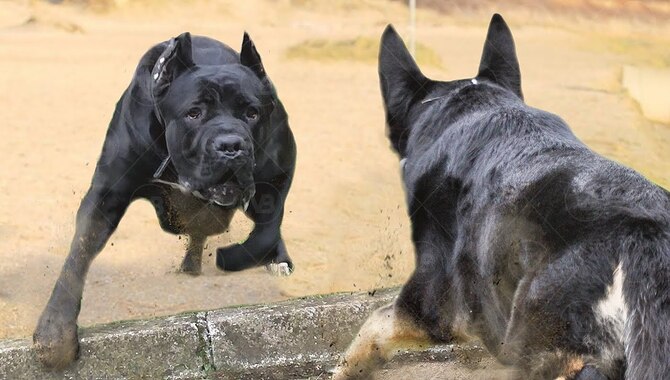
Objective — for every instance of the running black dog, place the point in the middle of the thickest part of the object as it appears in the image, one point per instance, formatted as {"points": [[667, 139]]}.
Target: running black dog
{"points": [[199, 132], [555, 257]]}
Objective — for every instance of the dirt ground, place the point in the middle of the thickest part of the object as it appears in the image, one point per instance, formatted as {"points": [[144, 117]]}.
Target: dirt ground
{"points": [[62, 68]]}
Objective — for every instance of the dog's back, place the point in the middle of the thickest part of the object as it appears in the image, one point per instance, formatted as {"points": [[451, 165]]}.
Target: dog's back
{"points": [[524, 217], [557, 258]]}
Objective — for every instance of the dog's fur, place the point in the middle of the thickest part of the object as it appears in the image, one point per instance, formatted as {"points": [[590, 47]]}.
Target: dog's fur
{"points": [[555, 257], [199, 132]]}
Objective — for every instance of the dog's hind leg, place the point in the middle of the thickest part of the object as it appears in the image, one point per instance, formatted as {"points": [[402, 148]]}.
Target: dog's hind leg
{"points": [[192, 263], [555, 330], [55, 338], [388, 330]]}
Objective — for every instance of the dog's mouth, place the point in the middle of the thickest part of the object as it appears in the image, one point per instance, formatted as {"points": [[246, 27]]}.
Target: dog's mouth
{"points": [[225, 194], [229, 192]]}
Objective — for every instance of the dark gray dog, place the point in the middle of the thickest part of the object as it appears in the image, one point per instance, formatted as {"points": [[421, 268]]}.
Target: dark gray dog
{"points": [[199, 132], [555, 257]]}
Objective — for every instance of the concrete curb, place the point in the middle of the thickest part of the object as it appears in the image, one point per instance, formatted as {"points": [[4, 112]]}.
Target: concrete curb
{"points": [[290, 340]]}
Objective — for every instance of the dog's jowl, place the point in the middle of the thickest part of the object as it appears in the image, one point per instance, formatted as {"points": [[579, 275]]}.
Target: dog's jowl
{"points": [[556, 258], [199, 133]]}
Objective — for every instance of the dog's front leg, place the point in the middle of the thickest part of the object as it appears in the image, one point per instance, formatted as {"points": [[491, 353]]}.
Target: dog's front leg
{"points": [[55, 338], [264, 246], [388, 330], [192, 262]]}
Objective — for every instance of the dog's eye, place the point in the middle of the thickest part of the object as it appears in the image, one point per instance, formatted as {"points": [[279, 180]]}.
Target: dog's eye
{"points": [[194, 113], [251, 113]]}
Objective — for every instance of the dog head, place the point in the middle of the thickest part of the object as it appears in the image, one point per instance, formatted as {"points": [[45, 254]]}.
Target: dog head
{"points": [[407, 93], [215, 117]]}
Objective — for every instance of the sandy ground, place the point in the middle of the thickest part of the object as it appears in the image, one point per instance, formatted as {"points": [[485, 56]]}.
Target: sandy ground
{"points": [[63, 68]]}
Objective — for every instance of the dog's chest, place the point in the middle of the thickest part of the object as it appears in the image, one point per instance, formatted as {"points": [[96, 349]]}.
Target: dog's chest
{"points": [[181, 213]]}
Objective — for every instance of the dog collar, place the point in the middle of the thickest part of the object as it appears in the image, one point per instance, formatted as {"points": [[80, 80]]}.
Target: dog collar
{"points": [[161, 169]]}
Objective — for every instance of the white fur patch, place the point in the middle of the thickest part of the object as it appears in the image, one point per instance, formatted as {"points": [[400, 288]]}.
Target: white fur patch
{"points": [[613, 305], [613, 312]]}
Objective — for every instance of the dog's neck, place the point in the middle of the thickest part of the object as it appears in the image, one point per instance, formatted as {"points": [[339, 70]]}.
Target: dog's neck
{"points": [[474, 82]]}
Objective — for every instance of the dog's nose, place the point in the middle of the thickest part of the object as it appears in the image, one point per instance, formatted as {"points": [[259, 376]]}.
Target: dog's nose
{"points": [[229, 146]]}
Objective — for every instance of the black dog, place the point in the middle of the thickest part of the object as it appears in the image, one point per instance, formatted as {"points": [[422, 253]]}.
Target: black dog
{"points": [[555, 257], [199, 132]]}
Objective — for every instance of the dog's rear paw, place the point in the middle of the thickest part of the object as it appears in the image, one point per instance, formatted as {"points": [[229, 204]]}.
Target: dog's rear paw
{"points": [[279, 269], [190, 268]]}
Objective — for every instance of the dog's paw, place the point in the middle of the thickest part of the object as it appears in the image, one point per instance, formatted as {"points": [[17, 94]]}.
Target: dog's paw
{"points": [[337, 373], [189, 271], [346, 370], [56, 344], [341, 373], [191, 268], [279, 269]]}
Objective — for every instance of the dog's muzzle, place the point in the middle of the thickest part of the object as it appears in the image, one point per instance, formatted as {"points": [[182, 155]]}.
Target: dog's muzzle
{"points": [[224, 176]]}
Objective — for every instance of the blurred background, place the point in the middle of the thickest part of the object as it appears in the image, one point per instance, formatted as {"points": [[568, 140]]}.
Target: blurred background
{"points": [[603, 65]]}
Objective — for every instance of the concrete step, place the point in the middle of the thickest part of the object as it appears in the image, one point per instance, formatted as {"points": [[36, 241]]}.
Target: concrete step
{"points": [[296, 339]]}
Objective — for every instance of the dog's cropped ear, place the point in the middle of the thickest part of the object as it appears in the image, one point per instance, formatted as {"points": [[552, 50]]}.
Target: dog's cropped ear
{"points": [[499, 63], [402, 84], [250, 58], [175, 59]]}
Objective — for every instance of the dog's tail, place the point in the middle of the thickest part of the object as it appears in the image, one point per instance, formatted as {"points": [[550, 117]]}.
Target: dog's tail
{"points": [[645, 262]]}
